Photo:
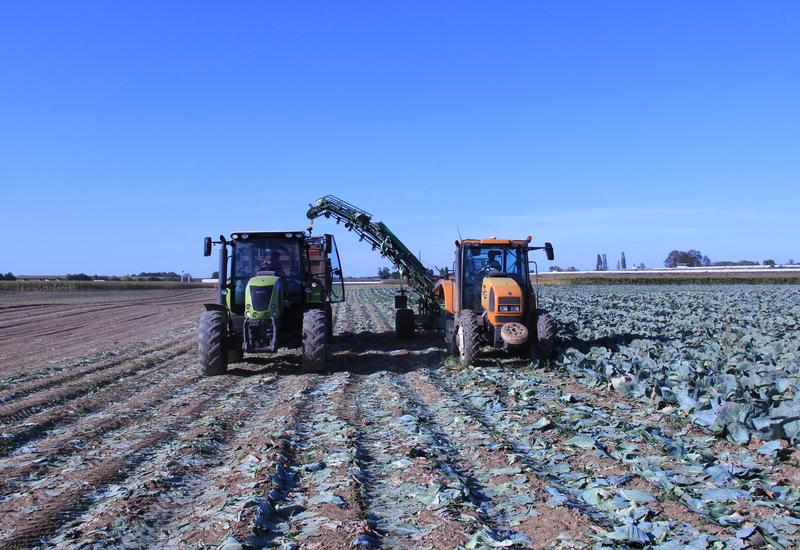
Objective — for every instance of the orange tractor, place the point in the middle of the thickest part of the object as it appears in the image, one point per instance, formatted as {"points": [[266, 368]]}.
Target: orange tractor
{"points": [[489, 300]]}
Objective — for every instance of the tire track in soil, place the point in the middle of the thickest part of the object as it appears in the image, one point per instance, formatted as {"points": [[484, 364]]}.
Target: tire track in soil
{"points": [[35, 403], [86, 427], [24, 521], [657, 455], [76, 369], [159, 490]]}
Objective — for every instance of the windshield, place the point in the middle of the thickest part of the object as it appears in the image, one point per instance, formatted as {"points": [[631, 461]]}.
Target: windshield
{"points": [[281, 256], [486, 261]]}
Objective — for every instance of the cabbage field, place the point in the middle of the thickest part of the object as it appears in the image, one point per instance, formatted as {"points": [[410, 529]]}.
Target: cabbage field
{"points": [[669, 418]]}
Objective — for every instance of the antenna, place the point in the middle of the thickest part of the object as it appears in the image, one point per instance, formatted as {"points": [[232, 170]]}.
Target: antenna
{"points": [[459, 233]]}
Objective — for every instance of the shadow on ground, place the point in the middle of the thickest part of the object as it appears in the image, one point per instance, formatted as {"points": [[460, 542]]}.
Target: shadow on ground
{"points": [[358, 352]]}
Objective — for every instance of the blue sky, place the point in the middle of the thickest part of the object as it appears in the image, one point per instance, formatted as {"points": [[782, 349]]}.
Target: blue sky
{"points": [[129, 130]]}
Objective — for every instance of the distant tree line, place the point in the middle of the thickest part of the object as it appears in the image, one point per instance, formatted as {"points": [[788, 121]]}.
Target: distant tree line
{"points": [[386, 273], [694, 258], [691, 258], [7, 277]]}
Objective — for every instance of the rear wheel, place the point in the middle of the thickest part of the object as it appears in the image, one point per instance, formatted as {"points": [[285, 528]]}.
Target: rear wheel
{"points": [[213, 353], [315, 340], [542, 345], [404, 323], [468, 338]]}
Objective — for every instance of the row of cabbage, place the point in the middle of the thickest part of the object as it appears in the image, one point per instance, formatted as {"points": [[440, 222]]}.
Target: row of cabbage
{"points": [[728, 357]]}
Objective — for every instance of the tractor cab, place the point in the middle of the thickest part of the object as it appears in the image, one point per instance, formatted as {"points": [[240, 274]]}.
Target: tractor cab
{"points": [[275, 290]]}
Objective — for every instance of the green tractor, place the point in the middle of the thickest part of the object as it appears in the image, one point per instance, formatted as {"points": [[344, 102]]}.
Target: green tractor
{"points": [[275, 290]]}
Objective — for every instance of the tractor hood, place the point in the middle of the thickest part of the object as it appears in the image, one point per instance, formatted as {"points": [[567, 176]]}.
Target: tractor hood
{"points": [[502, 300], [263, 296]]}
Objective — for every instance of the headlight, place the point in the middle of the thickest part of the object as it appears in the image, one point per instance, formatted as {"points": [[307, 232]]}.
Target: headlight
{"points": [[507, 309]]}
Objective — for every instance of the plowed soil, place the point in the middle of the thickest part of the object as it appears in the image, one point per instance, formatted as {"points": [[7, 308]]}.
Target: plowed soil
{"points": [[112, 438]]}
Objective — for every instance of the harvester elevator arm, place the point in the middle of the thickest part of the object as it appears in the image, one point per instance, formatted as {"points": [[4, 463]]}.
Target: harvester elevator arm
{"points": [[379, 236]]}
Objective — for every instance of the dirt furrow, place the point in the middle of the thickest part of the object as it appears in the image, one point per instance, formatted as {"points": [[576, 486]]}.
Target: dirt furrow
{"points": [[131, 402], [24, 521], [157, 492], [91, 383], [17, 388]]}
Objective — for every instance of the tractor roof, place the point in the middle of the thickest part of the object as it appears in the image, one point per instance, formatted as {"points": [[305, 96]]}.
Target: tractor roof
{"points": [[268, 234], [495, 241]]}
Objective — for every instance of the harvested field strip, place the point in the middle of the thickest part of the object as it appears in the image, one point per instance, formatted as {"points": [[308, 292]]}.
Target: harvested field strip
{"points": [[40, 511], [318, 501], [16, 388], [137, 401], [448, 457], [19, 410], [412, 499], [263, 523], [230, 491], [134, 512]]}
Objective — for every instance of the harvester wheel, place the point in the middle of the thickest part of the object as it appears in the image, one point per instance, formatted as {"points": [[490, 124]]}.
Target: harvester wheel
{"points": [[545, 336], [213, 353], [468, 338], [404, 323], [315, 340]]}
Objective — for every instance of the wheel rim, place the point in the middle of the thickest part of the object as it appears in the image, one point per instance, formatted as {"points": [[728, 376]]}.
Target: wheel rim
{"points": [[460, 342]]}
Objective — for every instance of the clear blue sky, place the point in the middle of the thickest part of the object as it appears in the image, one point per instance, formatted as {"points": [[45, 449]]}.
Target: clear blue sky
{"points": [[129, 130]]}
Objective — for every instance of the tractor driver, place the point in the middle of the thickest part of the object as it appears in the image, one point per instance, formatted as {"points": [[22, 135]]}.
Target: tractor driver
{"points": [[492, 264], [271, 261]]}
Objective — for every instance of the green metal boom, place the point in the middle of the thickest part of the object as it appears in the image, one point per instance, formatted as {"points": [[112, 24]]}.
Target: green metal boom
{"points": [[380, 237]]}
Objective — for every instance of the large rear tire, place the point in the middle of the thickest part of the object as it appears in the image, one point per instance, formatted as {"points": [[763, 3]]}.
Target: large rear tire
{"points": [[468, 338], [315, 341], [213, 351], [542, 345], [404, 323]]}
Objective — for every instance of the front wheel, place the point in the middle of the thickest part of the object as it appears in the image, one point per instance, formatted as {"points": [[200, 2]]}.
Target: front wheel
{"points": [[468, 338], [315, 340], [213, 352]]}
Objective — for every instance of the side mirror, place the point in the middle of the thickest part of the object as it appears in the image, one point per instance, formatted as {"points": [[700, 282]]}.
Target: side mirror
{"points": [[548, 250], [207, 246], [328, 243]]}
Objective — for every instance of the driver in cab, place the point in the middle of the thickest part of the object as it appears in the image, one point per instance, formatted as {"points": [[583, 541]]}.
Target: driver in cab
{"points": [[492, 264], [271, 261]]}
